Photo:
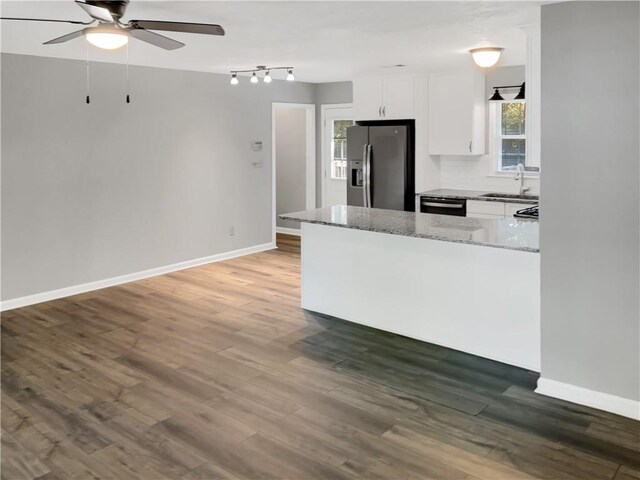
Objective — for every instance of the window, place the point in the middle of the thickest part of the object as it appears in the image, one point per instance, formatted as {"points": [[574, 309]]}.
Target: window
{"points": [[339, 149], [510, 136]]}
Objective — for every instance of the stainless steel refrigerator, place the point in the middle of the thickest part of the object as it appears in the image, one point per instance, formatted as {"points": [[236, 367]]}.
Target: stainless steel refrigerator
{"points": [[381, 165]]}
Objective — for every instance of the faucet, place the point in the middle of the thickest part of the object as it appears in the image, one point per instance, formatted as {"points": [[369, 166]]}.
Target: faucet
{"points": [[520, 176]]}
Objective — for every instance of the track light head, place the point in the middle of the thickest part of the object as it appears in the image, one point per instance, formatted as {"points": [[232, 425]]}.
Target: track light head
{"points": [[267, 77], [254, 78], [290, 76], [234, 79]]}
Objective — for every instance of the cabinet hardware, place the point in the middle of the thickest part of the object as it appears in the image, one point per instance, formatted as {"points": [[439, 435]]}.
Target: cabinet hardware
{"points": [[379, 111], [470, 145], [384, 111]]}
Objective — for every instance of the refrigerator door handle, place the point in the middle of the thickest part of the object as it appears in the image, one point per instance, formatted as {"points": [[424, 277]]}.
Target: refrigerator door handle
{"points": [[367, 175], [364, 175]]}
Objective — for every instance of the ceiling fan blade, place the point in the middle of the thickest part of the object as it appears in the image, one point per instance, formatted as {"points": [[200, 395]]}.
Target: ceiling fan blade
{"points": [[65, 38], [185, 27], [155, 39], [99, 13], [76, 22]]}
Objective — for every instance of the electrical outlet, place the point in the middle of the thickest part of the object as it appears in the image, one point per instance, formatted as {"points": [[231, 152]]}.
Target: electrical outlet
{"points": [[232, 231]]}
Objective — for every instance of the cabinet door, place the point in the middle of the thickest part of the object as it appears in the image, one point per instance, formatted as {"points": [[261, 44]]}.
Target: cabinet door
{"points": [[485, 208], [484, 215], [456, 114], [398, 98], [367, 98]]}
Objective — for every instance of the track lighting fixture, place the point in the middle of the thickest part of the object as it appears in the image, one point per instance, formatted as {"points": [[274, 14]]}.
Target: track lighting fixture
{"points": [[496, 92], [261, 68]]}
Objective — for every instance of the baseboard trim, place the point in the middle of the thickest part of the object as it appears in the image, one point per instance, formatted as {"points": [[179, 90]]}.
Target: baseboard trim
{"points": [[131, 277], [289, 231], [590, 398]]}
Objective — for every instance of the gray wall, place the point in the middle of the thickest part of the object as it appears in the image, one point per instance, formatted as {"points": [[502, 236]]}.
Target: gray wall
{"points": [[291, 158], [590, 235], [95, 191], [326, 94]]}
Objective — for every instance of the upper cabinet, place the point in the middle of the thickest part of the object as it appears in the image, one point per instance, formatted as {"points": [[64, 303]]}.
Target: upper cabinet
{"points": [[384, 98], [456, 114]]}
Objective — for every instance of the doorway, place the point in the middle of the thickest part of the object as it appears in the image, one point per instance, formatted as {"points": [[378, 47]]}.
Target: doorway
{"points": [[294, 162], [335, 121]]}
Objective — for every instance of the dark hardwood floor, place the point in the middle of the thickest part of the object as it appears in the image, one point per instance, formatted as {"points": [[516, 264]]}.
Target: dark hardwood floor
{"points": [[215, 372]]}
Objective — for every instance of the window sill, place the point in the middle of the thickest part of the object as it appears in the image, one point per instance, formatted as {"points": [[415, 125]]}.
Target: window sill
{"points": [[535, 176]]}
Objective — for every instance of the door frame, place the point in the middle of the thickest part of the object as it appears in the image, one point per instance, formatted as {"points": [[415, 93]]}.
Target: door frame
{"points": [[325, 142], [310, 159]]}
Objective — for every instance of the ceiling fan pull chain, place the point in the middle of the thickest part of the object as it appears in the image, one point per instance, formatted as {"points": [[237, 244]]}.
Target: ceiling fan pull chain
{"points": [[88, 100], [128, 99]]}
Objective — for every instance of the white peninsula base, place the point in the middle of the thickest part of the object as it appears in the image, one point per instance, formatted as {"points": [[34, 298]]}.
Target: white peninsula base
{"points": [[477, 299]]}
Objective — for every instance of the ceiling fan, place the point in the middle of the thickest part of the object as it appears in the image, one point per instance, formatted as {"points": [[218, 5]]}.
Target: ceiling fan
{"points": [[111, 33]]}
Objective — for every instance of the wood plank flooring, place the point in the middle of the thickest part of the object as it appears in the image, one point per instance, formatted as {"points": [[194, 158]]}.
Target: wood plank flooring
{"points": [[216, 373]]}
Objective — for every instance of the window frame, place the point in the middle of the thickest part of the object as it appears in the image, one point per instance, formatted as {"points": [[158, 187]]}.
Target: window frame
{"points": [[495, 140], [332, 149]]}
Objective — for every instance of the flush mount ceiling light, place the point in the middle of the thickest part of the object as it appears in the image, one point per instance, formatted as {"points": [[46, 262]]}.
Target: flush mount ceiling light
{"points": [[106, 37], [261, 68], [486, 57]]}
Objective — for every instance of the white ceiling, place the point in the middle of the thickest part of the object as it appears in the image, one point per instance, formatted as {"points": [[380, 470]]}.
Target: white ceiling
{"points": [[325, 41]]}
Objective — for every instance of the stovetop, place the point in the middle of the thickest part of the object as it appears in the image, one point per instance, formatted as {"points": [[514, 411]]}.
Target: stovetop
{"points": [[531, 212]]}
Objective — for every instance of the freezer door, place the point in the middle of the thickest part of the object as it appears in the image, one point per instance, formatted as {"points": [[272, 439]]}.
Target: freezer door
{"points": [[388, 166], [357, 140]]}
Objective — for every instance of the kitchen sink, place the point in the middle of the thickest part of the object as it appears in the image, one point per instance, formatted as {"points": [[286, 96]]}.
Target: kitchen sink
{"points": [[510, 195]]}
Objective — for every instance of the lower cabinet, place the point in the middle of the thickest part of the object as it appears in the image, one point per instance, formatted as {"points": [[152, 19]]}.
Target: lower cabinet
{"points": [[481, 209]]}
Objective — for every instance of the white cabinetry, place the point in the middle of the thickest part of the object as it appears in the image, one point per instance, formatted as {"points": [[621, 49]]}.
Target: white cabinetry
{"points": [[482, 209], [384, 98], [457, 114]]}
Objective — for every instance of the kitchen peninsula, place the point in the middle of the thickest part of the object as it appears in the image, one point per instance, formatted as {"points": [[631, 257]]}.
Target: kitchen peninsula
{"points": [[466, 283]]}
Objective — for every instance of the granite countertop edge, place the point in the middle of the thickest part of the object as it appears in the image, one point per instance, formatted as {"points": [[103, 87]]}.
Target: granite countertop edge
{"points": [[475, 195], [406, 234]]}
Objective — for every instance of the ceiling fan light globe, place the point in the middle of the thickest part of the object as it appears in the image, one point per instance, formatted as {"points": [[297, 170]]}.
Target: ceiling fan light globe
{"points": [[107, 40], [486, 57]]}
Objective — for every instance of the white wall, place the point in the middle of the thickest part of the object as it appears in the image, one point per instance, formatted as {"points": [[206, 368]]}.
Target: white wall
{"points": [[590, 202], [477, 172], [91, 192], [291, 156]]}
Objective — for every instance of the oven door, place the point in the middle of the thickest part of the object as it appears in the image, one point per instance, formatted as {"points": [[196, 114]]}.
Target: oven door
{"points": [[444, 206]]}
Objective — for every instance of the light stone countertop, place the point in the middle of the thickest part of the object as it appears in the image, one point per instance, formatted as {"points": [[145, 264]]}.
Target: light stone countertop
{"points": [[477, 195], [510, 233]]}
